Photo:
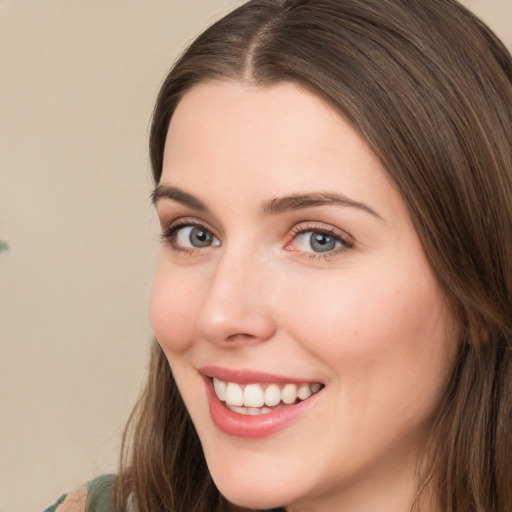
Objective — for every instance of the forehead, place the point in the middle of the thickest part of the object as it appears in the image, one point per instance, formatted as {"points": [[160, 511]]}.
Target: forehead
{"points": [[218, 109], [271, 123], [227, 137]]}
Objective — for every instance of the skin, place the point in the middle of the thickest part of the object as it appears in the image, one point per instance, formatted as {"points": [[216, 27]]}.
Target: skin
{"points": [[367, 319]]}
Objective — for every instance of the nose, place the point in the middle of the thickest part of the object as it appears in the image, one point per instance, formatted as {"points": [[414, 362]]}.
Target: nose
{"points": [[237, 305]]}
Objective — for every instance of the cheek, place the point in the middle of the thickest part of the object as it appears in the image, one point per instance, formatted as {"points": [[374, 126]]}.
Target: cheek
{"points": [[376, 327], [172, 310], [389, 352]]}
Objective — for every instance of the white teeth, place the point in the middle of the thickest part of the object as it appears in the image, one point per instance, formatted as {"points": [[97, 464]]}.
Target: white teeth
{"points": [[249, 411], [253, 396], [239, 410], [256, 399], [272, 395], [289, 394], [315, 387], [304, 392], [234, 394], [220, 388]]}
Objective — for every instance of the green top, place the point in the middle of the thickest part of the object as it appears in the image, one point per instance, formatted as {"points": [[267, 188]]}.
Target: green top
{"points": [[52, 508], [99, 496]]}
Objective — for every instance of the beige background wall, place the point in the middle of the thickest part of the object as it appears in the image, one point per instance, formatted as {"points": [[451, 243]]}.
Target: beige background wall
{"points": [[77, 83]]}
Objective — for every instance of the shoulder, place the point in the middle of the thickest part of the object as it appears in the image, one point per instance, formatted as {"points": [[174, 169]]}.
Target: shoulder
{"points": [[96, 496], [73, 502]]}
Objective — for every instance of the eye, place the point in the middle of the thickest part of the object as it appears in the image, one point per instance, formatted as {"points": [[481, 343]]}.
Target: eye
{"points": [[183, 237], [195, 236], [318, 241]]}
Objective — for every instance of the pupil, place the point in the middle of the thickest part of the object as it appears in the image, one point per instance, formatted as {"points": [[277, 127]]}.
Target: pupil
{"points": [[200, 237], [321, 242]]}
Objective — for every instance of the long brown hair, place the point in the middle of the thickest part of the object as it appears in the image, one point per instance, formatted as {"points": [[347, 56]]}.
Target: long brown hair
{"points": [[429, 88]]}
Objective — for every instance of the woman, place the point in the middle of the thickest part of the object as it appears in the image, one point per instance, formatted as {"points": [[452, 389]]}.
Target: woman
{"points": [[332, 304]]}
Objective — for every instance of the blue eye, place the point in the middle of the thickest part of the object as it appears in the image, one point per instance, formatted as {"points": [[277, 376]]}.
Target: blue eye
{"points": [[188, 236], [194, 236], [317, 241]]}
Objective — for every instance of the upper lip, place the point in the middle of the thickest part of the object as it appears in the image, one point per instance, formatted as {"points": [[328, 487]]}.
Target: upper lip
{"points": [[249, 376]]}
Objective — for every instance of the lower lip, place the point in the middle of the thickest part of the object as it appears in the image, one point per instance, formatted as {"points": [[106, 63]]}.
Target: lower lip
{"points": [[253, 427]]}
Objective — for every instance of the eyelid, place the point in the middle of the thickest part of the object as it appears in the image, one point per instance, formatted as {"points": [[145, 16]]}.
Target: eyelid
{"points": [[188, 221], [169, 232], [347, 242]]}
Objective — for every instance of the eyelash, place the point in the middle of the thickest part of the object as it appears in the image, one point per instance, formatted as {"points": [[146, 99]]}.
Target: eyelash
{"points": [[300, 229], [170, 234]]}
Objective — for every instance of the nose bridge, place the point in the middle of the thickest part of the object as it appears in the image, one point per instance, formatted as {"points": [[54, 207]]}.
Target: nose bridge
{"points": [[235, 305]]}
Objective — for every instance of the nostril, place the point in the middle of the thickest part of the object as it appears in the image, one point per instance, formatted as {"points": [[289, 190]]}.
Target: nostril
{"points": [[242, 337]]}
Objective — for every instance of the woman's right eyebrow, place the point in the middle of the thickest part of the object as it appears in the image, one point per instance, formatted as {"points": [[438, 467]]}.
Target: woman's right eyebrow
{"points": [[177, 195]]}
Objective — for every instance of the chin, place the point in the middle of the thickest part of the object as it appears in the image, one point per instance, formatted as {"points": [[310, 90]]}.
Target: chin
{"points": [[253, 491], [252, 497]]}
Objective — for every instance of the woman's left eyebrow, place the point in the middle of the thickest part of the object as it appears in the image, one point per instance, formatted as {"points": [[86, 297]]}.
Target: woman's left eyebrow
{"points": [[296, 202]]}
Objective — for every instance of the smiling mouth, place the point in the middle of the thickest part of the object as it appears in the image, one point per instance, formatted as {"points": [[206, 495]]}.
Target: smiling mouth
{"points": [[256, 399]]}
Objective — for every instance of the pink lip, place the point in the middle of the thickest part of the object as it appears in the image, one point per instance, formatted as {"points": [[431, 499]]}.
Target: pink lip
{"points": [[247, 376], [252, 427]]}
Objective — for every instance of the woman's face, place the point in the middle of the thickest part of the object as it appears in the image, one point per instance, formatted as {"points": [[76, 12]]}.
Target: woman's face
{"points": [[290, 267]]}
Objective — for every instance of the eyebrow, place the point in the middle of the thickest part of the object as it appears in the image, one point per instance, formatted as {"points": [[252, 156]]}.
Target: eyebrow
{"points": [[178, 195], [294, 202], [297, 202]]}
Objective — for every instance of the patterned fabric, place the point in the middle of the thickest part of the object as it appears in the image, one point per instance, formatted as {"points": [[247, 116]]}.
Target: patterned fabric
{"points": [[96, 496]]}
